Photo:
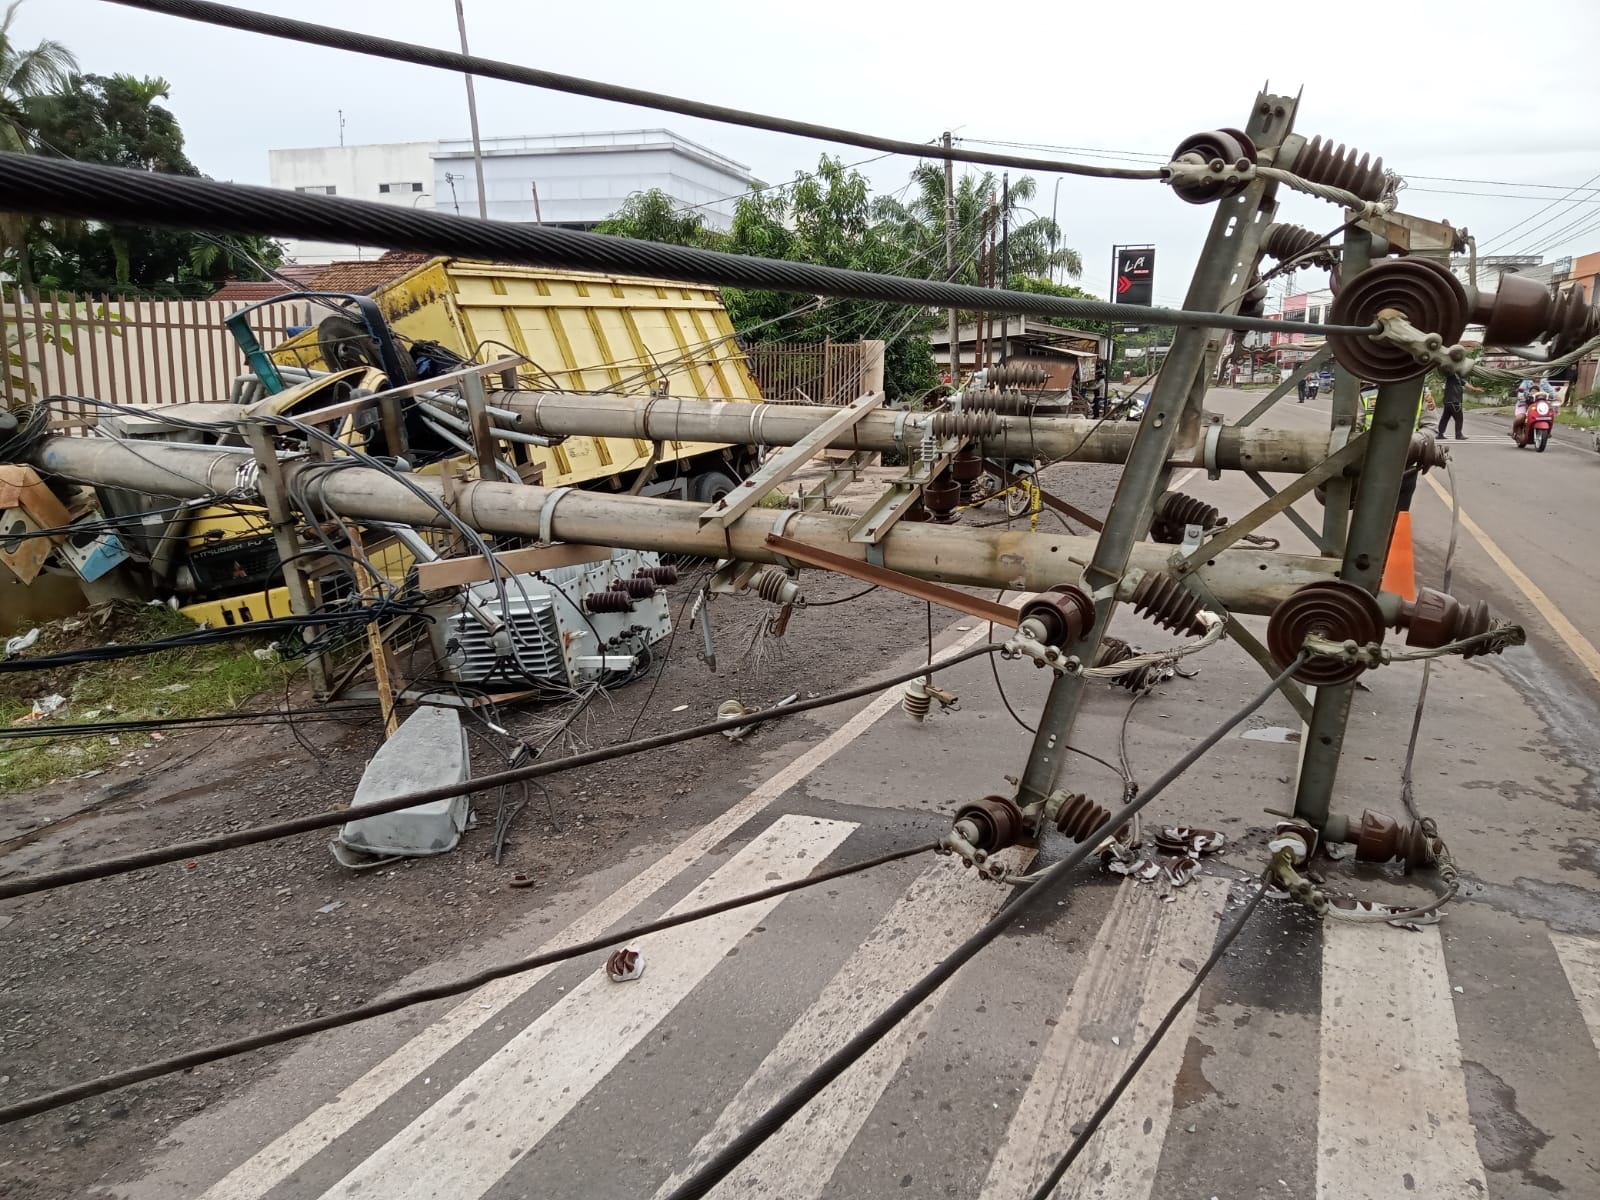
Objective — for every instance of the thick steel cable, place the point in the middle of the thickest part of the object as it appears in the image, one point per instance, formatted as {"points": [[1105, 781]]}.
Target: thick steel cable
{"points": [[1104, 1110], [179, 852], [1036, 897], [60, 187], [438, 991], [488, 68]]}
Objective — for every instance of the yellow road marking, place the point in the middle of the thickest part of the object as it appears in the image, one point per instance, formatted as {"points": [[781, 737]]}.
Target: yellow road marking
{"points": [[1581, 647]]}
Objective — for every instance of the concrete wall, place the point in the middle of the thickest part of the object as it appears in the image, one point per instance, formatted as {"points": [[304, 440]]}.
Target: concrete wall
{"points": [[361, 172]]}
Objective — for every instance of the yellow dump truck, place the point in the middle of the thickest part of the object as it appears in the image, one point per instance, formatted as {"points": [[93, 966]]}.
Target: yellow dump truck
{"points": [[579, 332]]}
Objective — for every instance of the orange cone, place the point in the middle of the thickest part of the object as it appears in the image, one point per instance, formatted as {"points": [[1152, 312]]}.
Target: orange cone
{"points": [[1400, 572]]}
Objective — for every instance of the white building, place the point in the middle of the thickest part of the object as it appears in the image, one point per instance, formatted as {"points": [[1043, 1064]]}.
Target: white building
{"points": [[575, 180]]}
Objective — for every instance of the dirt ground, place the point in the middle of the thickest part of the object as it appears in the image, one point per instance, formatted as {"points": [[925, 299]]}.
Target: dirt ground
{"points": [[101, 976]]}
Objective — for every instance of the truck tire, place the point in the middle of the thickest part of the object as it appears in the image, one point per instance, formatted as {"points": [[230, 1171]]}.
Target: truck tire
{"points": [[711, 486]]}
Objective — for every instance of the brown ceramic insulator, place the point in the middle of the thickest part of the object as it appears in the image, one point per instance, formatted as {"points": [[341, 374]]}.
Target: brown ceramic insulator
{"points": [[1254, 302], [1164, 600], [1323, 162], [997, 400], [941, 497], [1079, 817], [966, 467], [1018, 375], [615, 601], [662, 575], [1572, 322], [1514, 314], [1221, 148], [1425, 292], [1437, 618], [1174, 510], [1334, 609], [1065, 612], [967, 423], [1426, 452], [1284, 242], [997, 821], [770, 583], [638, 588], [916, 513], [1381, 838], [1115, 650]]}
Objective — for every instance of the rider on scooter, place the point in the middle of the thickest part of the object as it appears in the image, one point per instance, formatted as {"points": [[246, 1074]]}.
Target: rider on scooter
{"points": [[1527, 392]]}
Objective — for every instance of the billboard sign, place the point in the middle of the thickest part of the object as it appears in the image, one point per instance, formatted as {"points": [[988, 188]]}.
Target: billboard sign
{"points": [[1135, 276]]}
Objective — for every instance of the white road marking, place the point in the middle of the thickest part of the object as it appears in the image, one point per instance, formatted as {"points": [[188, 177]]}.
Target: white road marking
{"points": [[1580, 646], [1128, 980], [939, 910], [1580, 959], [293, 1149], [1393, 1122], [1184, 478], [478, 1130]]}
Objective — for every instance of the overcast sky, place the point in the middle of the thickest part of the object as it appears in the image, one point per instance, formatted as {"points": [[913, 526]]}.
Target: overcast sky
{"points": [[1501, 94]]}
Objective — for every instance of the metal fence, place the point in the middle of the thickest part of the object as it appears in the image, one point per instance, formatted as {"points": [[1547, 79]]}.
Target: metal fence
{"points": [[816, 372], [127, 351]]}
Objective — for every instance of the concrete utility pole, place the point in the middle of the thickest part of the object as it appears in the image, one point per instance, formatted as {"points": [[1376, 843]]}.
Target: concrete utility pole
{"points": [[954, 326], [472, 116], [1005, 257]]}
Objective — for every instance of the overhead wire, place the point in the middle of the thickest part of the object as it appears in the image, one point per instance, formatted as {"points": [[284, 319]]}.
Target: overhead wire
{"points": [[181, 851], [188, 1060], [333, 38], [1030, 902], [33, 184]]}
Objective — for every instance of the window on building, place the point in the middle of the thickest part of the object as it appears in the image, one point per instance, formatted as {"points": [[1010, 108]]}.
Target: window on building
{"points": [[326, 189], [1314, 316], [390, 188]]}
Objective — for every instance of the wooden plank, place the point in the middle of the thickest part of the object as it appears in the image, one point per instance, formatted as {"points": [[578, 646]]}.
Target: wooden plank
{"points": [[452, 572], [123, 392]]}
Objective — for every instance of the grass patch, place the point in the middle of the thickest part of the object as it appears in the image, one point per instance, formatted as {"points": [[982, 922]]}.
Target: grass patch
{"points": [[1579, 418], [773, 499], [195, 681]]}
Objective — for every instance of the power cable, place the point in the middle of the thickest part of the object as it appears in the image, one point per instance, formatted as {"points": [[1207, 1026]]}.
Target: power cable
{"points": [[1498, 238], [423, 995], [121, 865], [720, 1165], [488, 68], [32, 184], [1043, 1191], [274, 716]]}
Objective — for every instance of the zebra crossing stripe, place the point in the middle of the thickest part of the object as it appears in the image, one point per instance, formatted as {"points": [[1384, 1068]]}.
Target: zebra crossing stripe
{"points": [[1580, 959], [940, 909], [477, 1131], [1392, 1122], [1145, 954]]}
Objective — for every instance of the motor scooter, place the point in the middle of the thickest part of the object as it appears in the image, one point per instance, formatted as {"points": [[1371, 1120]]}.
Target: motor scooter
{"points": [[1536, 417]]}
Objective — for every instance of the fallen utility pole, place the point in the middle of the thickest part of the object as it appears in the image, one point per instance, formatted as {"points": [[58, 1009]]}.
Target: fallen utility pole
{"points": [[1246, 581], [1069, 439]]}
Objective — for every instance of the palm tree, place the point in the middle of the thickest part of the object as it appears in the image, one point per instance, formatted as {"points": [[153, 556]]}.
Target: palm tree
{"points": [[920, 221], [24, 74]]}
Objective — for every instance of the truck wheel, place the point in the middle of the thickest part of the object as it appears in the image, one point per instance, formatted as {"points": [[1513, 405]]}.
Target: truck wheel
{"points": [[711, 486]]}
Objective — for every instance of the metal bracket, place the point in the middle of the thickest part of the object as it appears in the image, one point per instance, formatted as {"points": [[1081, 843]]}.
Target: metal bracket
{"points": [[1213, 438], [786, 462], [778, 527], [547, 513], [1334, 464]]}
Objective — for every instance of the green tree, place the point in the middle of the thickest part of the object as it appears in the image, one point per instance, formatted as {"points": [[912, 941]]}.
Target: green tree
{"points": [[117, 121], [25, 75], [653, 216]]}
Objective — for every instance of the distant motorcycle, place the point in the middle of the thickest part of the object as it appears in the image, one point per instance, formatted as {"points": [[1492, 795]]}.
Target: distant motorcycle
{"points": [[1536, 417]]}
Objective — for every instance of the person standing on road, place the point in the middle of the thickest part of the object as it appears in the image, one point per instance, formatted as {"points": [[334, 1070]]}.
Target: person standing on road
{"points": [[1301, 386], [1454, 408]]}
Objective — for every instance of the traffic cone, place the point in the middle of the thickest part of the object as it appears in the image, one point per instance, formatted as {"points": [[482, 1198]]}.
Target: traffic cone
{"points": [[1400, 571]]}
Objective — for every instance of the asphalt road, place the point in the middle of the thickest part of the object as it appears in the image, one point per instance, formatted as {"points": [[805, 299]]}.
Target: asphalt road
{"points": [[1333, 1061]]}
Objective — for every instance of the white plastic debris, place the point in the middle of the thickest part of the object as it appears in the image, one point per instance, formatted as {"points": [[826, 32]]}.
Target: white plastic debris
{"points": [[625, 964], [21, 642], [42, 707]]}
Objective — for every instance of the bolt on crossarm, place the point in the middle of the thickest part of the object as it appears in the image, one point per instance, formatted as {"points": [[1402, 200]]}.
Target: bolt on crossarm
{"points": [[1365, 553], [1229, 254]]}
